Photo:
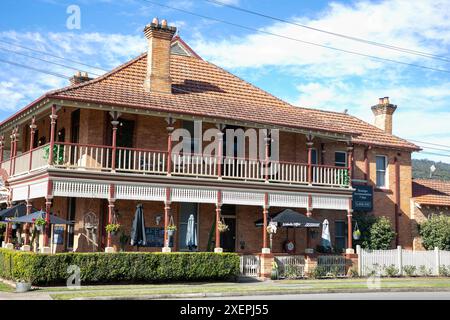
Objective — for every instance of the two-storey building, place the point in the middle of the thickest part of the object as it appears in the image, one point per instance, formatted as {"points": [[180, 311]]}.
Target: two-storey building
{"points": [[92, 151]]}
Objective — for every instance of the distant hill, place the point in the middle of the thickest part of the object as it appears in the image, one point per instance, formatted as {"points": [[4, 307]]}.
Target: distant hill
{"points": [[421, 169]]}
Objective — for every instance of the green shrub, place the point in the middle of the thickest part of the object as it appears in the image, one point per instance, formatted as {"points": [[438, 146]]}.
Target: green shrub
{"points": [[435, 232], [391, 271], [424, 271], [410, 271], [444, 271], [116, 267], [293, 272], [318, 272], [381, 234]]}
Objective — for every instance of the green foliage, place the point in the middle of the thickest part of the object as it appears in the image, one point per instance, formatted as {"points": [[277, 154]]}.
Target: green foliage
{"points": [[47, 269], [365, 222], [318, 272], [444, 271], [293, 272], [40, 222], [58, 153], [410, 271], [112, 227], [421, 169], [352, 273], [391, 271], [435, 232], [380, 234], [424, 271]]}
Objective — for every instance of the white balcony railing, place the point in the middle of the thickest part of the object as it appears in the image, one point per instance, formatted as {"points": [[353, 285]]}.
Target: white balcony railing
{"points": [[144, 161]]}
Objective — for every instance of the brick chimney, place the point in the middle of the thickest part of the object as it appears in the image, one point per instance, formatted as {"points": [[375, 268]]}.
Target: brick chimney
{"points": [[79, 77], [383, 112], [159, 37]]}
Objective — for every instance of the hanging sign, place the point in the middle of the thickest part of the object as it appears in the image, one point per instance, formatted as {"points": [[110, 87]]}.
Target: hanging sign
{"points": [[362, 198]]}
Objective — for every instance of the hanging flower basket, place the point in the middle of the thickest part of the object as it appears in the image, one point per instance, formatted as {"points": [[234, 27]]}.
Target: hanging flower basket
{"points": [[222, 226], [171, 230], [356, 232], [112, 228], [39, 224], [15, 226]]}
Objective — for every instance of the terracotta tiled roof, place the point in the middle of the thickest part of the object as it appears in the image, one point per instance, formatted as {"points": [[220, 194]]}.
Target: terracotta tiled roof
{"points": [[431, 192], [203, 89]]}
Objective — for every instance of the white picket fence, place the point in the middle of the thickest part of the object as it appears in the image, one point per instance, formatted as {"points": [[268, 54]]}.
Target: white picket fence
{"points": [[370, 261], [249, 265], [332, 264], [293, 265]]}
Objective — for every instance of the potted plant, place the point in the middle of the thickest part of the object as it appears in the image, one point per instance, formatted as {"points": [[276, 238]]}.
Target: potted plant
{"points": [[274, 273], [222, 227], [356, 232], [23, 285], [171, 230], [112, 228], [39, 223]]}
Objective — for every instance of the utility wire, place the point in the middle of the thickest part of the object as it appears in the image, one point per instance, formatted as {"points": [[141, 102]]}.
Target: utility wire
{"points": [[35, 69], [435, 154], [44, 60], [52, 55], [374, 43], [433, 144], [295, 39]]}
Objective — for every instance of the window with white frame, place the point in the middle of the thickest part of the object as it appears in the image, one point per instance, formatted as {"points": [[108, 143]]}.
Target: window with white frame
{"points": [[381, 168], [340, 159]]}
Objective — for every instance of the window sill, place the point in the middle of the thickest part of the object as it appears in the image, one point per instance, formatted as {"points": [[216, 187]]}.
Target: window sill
{"points": [[380, 189]]}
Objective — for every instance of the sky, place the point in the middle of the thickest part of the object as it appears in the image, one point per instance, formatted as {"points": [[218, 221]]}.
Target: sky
{"points": [[107, 33]]}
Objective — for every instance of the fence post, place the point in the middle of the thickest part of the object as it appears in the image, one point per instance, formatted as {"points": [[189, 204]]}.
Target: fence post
{"points": [[358, 252], [437, 260], [399, 260]]}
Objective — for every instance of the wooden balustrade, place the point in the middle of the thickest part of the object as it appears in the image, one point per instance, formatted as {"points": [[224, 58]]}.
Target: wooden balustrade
{"points": [[132, 160]]}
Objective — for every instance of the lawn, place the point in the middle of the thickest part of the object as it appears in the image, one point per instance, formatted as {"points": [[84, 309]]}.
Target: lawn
{"points": [[273, 287], [5, 288]]}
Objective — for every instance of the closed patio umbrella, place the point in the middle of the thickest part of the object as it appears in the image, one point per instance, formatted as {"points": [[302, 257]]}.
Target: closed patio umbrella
{"points": [[30, 218], [191, 234], [18, 210], [326, 238], [138, 237]]}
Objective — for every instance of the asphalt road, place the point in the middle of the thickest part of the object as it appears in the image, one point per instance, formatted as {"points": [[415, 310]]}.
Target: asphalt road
{"points": [[347, 296]]}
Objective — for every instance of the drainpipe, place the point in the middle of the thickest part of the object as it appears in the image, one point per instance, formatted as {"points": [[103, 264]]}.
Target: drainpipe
{"points": [[397, 200]]}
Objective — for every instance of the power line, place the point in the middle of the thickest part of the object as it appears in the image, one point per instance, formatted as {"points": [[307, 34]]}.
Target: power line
{"points": [[44, 60], [35, 69], [433, 144], [295, 39], [433, 148], [52, 55], [374, 43], [435, 154]]}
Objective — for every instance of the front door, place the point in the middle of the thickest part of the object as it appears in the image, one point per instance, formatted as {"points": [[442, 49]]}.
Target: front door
{"points": [[228, 238]]}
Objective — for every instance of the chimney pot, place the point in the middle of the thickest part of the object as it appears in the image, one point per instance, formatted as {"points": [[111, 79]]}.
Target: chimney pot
{"points": [[155, 21], [386, 100], [164, 23], [380, 100]]}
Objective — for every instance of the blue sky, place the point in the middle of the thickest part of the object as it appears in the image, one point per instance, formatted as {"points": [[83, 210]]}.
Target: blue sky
{"points": [[111, 33]]}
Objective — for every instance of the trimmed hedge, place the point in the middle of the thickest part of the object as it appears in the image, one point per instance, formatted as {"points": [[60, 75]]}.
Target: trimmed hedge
{"points": [[45, 269]]}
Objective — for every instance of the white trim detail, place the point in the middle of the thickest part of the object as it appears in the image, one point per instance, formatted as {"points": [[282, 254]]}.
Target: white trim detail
{"points": [[193, 195], [20, 193], [135, 192], [243, 197], [38, 190], [81, 189], [288, 200], [329, 202]]}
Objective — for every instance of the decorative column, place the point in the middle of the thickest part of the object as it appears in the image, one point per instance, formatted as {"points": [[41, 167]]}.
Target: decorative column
{"points": [[53, 118], [308, 234], [169, 129], [167, 210], [349, 249], [265, 248], [48, 206], [115, 122], [27, 225], [219, 152], [309, 146], [111, 206], [8, 225], [218, 248], [350, 163], [267, 140], [13, 151], [2, 147], [32, 133]]}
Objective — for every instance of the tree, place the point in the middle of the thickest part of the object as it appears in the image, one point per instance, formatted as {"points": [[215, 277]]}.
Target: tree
{"points": [[435, 232], [376, 233], [381, 234]]}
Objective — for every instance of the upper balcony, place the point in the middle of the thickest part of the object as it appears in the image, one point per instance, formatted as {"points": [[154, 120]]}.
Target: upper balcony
{"points": [[97, 158]]}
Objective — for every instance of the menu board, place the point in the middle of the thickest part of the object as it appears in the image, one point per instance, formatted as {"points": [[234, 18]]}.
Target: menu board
{"points": [[155, 237]]}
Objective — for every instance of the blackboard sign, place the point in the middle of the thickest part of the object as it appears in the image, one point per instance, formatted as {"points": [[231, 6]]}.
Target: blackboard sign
{"points": [[58, 235], [155, 237], [362, 198]]}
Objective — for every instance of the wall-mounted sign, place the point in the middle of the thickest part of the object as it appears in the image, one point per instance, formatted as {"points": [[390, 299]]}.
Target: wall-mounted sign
{"points": [[362, 198]]}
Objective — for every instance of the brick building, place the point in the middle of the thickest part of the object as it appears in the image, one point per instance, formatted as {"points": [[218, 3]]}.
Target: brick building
{"points": [[97, 148], [430, 197]]}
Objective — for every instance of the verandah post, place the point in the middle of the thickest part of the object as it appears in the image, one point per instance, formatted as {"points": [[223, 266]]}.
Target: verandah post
{"points": [[220, 151], [218, 248], [32, 133], [350, 163], [267, 140], [265, 248], [53, 118], [170, 129], [349, 249], [27, 225], [2, 146], [167, 210], [111, 206], [309, 145]]}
